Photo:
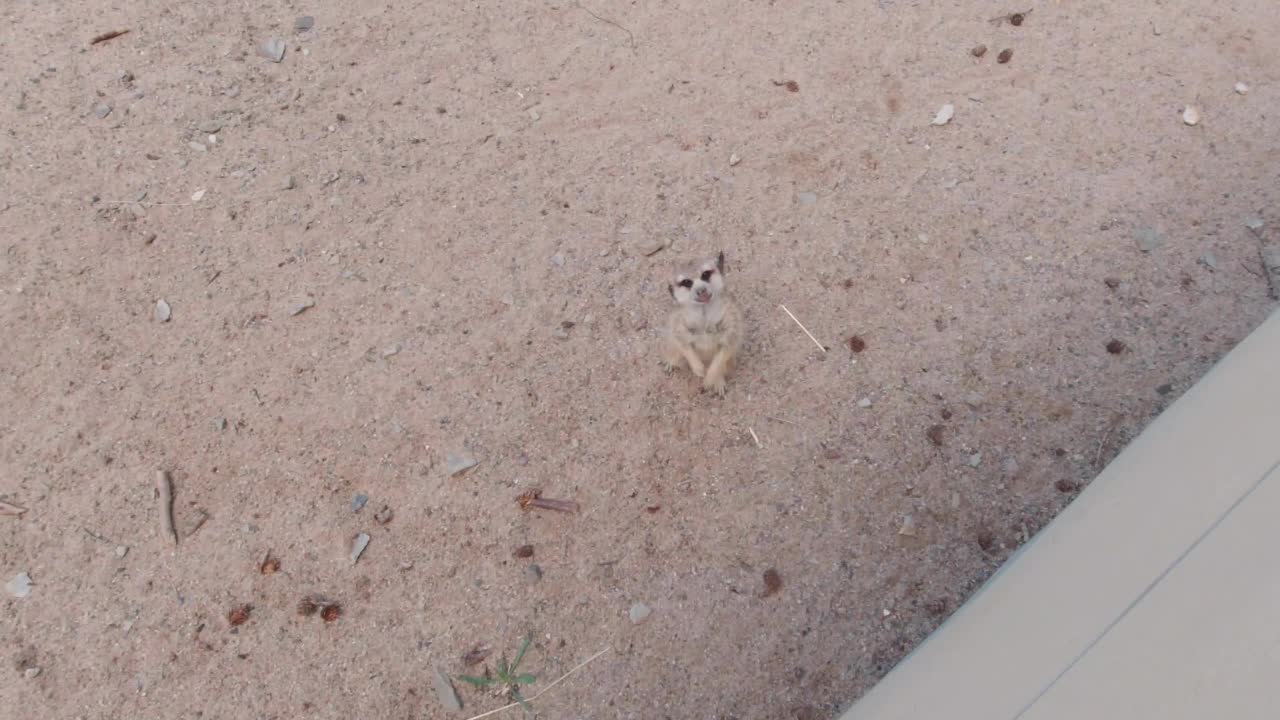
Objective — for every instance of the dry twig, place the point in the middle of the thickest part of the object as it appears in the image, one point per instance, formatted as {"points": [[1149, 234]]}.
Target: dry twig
{"points": [[109, 35], [164, 491], [802, 327]]}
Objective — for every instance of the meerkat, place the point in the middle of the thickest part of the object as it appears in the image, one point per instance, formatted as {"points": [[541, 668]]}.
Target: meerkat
{"points": [[705, 332]]}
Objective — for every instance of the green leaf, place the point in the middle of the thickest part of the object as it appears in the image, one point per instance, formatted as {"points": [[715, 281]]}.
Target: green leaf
{"points": [[520, 699], [524, 680], [477, 681], [520, 655]]}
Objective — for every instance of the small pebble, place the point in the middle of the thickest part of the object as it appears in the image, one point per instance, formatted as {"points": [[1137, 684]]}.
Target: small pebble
{"points": [[1164, 389], [31, 673], [197, 195], [1210, 260], [197, 146], [1254, 224], [557, 260], [358, 502], [807, 198], [524, 551], [19, 586], [459, 462], [974, 400], [1242, 89], [390, 351], [945, 113], [650, 246], [1191, 115], [121, 550], [302, 306], [1147, 239], [445, 693], [101, 110], [304, 23], [734, 159], [975, 460], [162, 311], [288, 183], [1005, 56], [638, 613], [908, 526], [532, 574], [209, 126], [864, 403], [273, 49], [220, 423], [384, 515], [358, 544], [978, 51]]}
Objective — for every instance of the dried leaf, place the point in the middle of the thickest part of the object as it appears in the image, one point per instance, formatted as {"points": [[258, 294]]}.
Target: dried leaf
{"points": [[772, 582]]}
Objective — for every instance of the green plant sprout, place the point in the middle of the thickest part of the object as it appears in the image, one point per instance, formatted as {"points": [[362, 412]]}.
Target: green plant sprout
{"points": [[507, 683]]}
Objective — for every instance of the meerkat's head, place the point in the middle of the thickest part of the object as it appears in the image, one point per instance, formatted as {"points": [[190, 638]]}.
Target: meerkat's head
{"points": [[700, 283]]}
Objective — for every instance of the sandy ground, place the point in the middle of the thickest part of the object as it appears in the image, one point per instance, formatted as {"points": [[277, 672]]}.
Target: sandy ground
{"points": [[470, 184]]}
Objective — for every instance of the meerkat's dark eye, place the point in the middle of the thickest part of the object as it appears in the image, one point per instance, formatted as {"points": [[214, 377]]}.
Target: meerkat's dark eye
{"points": [[686, 283], [706, 275]]}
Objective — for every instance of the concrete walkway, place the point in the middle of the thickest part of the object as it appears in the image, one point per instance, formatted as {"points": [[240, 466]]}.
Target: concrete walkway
{"points": [[1156, 594]]}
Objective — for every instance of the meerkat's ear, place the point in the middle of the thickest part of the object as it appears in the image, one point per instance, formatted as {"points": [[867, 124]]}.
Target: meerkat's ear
{"points": [[720, 261]]}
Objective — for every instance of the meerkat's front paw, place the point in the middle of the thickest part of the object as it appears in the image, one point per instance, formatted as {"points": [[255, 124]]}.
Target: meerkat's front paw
{"points": [[714, 382]]}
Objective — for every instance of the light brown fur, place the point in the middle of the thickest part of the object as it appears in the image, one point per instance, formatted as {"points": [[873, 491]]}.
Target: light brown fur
{"points": [[704, 334]]}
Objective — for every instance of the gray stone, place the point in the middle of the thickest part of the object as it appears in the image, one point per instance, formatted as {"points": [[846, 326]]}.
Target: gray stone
{"points": [[273, 49], [220, 423], [1147, 239], [557, 260], [162, 311], [1009, 466], [974, 400], [975, 460], [864, 403], [1210, 260], [650, 246], [358, 544], [1254, 224], [210, 126], [31, 673], [122, 550], [358, 502], [101, 110], [301, 306], [288, 183], [459, 462], [807, 198], [304, 23], [19, 586], [532, 574], [445, 693], [197, 146], [638, 613]]}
